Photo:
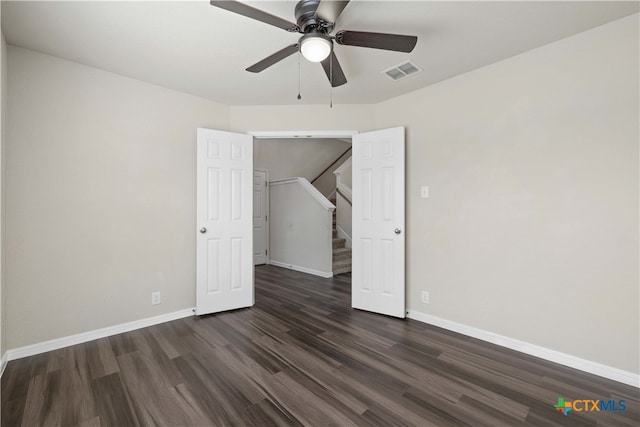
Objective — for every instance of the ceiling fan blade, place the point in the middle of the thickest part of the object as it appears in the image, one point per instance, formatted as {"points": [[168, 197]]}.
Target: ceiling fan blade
{"points": [[253, 13], [330, 10], [333, 70], [272, 59], [395, 42]]}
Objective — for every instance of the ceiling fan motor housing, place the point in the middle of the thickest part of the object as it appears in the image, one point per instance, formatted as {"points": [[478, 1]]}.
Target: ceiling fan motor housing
{"points": [[307, 20]]}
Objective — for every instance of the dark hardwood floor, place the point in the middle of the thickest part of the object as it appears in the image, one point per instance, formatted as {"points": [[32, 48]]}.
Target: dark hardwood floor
{"points": [[300, 356]]}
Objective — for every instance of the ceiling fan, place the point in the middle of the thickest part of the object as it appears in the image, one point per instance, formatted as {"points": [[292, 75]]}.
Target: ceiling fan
{"points": [[316, 20]]}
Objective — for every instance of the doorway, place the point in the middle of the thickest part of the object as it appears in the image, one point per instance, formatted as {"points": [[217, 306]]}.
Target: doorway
{"points": [[288, 162], [378, 218]]}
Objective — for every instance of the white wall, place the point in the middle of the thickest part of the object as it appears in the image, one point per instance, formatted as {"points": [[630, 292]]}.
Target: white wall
{"points": [[100, 202], [347, 176], [287, 158], [299, 229], [301, 117], [531, 228]]}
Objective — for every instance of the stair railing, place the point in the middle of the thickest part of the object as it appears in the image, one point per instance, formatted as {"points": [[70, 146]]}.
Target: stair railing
{"points": [[326, 181]]}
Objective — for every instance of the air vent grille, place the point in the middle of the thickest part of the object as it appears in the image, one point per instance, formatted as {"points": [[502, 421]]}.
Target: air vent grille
{"points": [[403, 70]]}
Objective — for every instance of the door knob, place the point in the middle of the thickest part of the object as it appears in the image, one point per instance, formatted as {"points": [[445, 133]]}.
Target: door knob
{"points": [[203, 230], [397, 231]]}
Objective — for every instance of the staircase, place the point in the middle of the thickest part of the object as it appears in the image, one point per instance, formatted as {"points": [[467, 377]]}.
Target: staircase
{"points": [[341, 254]]}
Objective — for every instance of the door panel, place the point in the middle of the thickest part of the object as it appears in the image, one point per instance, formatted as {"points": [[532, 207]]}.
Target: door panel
{"points": [[224, 261], [378, 278]]}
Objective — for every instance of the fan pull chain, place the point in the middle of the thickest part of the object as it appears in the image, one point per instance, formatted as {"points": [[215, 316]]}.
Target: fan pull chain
{"points": [[331, 80], [299, 96]]}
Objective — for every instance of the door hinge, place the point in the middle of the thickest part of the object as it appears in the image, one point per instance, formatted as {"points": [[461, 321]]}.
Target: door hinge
{"points": [[265, 183], [266, 217], [266, 252]]}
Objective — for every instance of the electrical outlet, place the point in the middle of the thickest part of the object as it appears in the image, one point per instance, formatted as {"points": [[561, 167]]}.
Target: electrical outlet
{"points": [[155, 298], [425, 297]]}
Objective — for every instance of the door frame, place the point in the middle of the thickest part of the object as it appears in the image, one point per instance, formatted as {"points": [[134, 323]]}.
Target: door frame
{"points": [[302, 134], [298, 134]]}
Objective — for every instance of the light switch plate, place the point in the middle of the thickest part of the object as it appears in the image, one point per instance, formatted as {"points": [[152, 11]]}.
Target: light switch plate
{"points": [[424, 192]]}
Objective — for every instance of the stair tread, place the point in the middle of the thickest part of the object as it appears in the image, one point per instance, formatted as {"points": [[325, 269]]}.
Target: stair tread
{"points": [[341, 254], [341, 250], [338, 244], [341, 268]]}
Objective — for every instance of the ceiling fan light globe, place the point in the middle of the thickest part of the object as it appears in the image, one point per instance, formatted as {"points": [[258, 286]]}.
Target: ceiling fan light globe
{"points": [[315, 49]]}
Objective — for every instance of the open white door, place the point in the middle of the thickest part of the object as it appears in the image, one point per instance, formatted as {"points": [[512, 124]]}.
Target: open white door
{"points": [[224, 250], [260, 216], [377, 280]]}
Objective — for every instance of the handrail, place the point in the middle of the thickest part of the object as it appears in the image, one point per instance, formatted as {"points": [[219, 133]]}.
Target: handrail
{"points": [[313, 191], [331, 165]]}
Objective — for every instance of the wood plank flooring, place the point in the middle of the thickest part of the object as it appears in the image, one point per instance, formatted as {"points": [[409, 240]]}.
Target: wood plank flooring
{"points": [[300, 357]]}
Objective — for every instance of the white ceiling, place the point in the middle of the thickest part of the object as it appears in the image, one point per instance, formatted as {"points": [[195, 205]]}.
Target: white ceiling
{"points": [[195, 48]]}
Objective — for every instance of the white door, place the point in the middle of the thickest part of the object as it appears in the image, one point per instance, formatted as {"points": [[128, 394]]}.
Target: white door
{"points": [[377, 280], [224, 249], [260, 216]]}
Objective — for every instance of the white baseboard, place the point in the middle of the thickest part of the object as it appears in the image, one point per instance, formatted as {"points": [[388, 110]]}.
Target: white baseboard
{"points": [[343, 235], [325, 274], [3, 363], [30, 350], [595, 368]]}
